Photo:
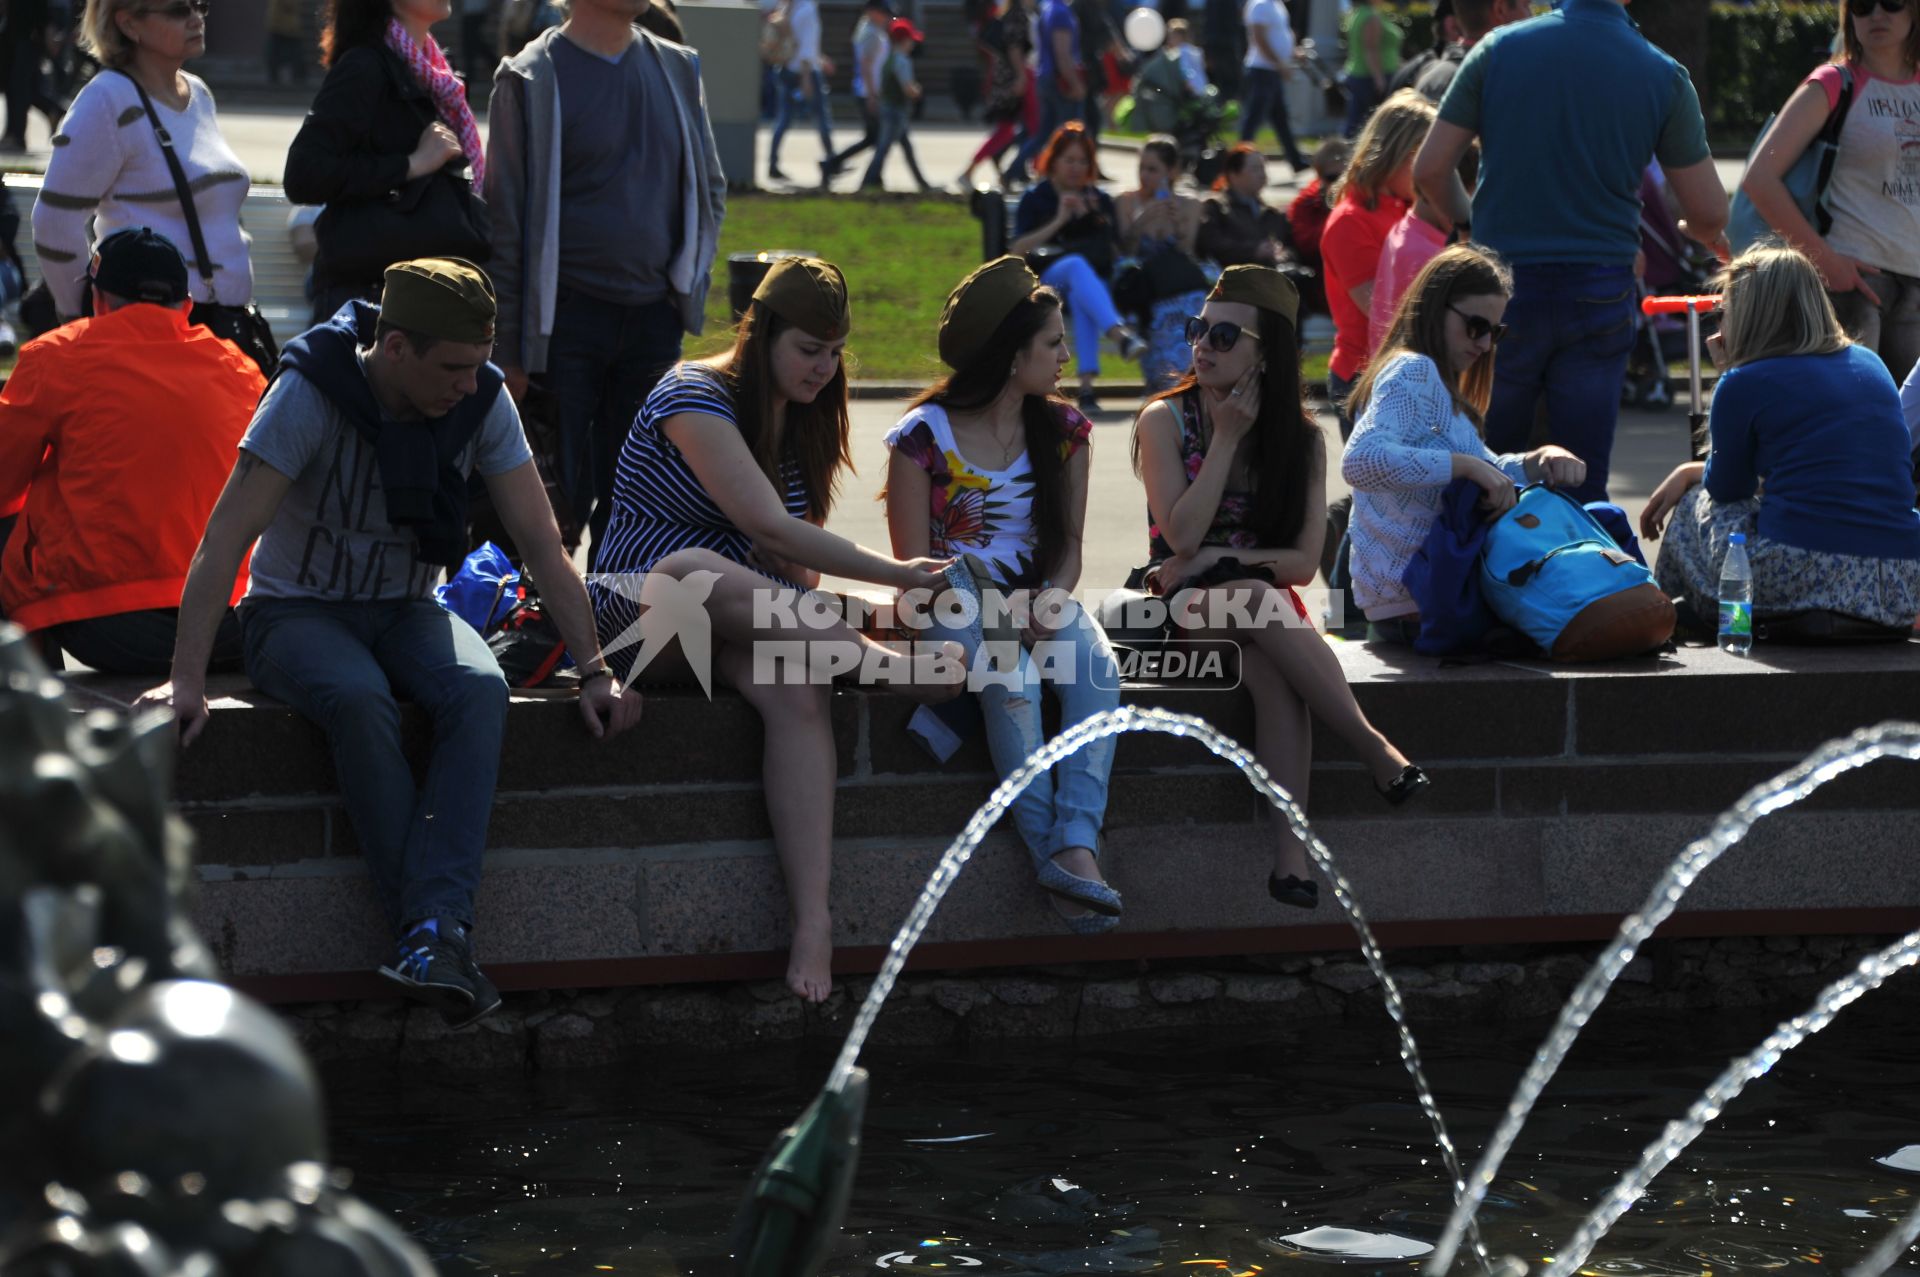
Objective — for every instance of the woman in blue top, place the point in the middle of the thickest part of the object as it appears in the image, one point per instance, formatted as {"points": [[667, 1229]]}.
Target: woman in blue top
{"points": [[723, 485], [1066, 213], [1816, 419]]}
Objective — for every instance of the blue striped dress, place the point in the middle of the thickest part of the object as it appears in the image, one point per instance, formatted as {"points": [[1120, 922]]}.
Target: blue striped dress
{"points": [[659, 505]]}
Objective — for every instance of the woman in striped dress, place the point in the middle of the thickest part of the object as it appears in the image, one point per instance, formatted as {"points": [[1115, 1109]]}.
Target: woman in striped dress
{"points": [[718, 505]]}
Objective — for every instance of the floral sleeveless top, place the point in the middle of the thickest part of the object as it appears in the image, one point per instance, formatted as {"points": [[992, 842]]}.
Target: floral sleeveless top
{"points": [[1232, 520]]}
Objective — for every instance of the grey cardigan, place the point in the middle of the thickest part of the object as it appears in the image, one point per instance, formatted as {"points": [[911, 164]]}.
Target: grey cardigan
{"points": [[523, 194]]}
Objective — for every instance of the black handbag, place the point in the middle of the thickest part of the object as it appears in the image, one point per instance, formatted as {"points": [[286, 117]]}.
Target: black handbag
{"points": [[244, 326], [437, 215]]}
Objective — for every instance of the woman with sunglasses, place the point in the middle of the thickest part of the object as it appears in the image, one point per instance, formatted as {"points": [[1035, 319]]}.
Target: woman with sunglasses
{"points": [[990, 462], [1867, 245], [390, 114], [1420, 409], [1236, 478], [108, 169]]}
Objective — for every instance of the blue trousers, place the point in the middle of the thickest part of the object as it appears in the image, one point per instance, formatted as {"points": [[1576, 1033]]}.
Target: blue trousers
{"points": [[1089, 305], [1066, 808], [894, 122], [1569, 332], [343, 665], [790, 102], [1263, 97]]}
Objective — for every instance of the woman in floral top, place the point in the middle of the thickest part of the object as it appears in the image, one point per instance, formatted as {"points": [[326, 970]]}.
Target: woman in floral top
{"points": [[989, 463], [1236, 477]]}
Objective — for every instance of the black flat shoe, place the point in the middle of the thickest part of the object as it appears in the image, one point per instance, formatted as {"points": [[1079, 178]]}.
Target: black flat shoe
{"points": [[1301, 893], [1406, 785]]}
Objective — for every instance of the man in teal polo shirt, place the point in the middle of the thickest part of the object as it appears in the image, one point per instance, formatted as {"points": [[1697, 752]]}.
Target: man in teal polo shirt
{"points": [[1569, 108]]}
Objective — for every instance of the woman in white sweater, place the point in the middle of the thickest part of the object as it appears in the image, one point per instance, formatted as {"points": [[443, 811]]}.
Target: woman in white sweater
{"points": [[1418, 413], [108, 167]]}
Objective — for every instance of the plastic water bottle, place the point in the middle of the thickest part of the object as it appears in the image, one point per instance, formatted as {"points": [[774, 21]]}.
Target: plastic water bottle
{"points": [[1736, 598]]}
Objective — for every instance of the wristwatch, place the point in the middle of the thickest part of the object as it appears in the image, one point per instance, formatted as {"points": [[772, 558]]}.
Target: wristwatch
{"points": [[602, 670]]}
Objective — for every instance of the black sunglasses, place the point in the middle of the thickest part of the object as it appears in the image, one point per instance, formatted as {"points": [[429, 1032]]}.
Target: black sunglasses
{"points": [[1221, 336], [179, 10], [1861, 8], [1479, 326]]}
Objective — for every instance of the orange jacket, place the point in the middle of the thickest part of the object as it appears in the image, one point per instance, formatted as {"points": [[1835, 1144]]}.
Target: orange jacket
{"points": [[116, 436]]}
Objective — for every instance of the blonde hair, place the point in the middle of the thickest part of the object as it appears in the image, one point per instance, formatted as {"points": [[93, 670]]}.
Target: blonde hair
{"points": [[1420, 326], [1392, 135], [101, 36], [1773, 303]]}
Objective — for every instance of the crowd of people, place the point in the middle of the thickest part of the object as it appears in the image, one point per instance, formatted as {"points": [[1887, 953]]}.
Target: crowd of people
{"points": [[318, 495]]}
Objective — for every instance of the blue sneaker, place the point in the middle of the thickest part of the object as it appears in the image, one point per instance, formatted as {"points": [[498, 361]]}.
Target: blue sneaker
{"points": [[433, 964]]}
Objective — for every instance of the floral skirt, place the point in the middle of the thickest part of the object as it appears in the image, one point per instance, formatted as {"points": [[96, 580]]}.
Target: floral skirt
{"points": [[1786, 578]]}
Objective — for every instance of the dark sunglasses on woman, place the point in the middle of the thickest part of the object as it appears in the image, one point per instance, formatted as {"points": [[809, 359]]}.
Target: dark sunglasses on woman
{"points": [[1479, 326], [1221, 336], [179, 10], [1861, 8]]}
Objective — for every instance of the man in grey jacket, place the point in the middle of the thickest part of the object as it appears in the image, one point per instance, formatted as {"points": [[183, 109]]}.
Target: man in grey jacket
{"points": [[606, 197]]}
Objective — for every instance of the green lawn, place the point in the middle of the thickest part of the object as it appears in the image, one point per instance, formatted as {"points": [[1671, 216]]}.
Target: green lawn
{"points": [[901, 258]]}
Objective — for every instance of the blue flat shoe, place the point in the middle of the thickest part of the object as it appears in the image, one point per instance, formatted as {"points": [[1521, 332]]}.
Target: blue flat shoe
{"points": [[1086, 924], [1097, 896]]}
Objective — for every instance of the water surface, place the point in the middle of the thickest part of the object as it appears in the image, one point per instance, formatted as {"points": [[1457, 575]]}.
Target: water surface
{"points": [[1203, 1151]]}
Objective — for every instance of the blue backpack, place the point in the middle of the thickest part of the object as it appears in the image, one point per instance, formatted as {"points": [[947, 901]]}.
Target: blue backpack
{"points": [[1551, 571]]}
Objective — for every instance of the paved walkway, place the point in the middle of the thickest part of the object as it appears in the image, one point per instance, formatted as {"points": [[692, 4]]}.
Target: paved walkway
{"points": [[1647, 447]]}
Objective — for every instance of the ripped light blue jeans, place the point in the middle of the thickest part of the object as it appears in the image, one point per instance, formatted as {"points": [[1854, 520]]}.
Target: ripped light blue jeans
{"points": [[1066, 808]]}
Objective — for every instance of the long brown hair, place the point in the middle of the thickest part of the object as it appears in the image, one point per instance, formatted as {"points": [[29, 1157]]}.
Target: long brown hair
{"points": [[1772, 303], [1854, 51], [1420, 326], [1283, 436], [812, 435], [975, 387]]}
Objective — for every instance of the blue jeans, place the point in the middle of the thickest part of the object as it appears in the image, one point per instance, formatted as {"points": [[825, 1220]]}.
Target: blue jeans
{"points": [[1263, 97], [1089, 305], [894, 121], [790, 101], [1569, 332], [1067, 808], [342, 665], [1055, 109], [1362, 98], [602, 361]]}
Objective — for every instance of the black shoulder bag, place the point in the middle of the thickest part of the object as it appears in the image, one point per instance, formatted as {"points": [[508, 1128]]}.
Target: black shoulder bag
{"points": [[244, 326]]}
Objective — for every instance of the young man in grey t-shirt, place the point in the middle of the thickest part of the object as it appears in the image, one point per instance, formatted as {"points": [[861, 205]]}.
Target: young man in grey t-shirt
{"points": [[352, 476]]}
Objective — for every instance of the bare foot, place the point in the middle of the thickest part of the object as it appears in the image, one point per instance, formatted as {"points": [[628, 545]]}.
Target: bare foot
{"points": [[810, 960]]}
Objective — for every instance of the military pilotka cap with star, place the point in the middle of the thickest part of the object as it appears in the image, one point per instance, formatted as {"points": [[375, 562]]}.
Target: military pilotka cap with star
{"points": [[440, 297], [976, 309], [809, 294], [1260, 286]]}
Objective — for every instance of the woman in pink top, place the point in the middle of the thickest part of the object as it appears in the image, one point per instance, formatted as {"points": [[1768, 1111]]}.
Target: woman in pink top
{"points": [[1867, 248], [1369, 199]]}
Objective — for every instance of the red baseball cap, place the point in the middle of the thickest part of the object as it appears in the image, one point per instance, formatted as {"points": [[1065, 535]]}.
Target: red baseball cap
{"points": [[904, 27]]}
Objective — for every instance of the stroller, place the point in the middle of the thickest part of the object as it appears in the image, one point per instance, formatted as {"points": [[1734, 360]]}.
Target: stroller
{"points": [[1675, 266], [1163, 102]]}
